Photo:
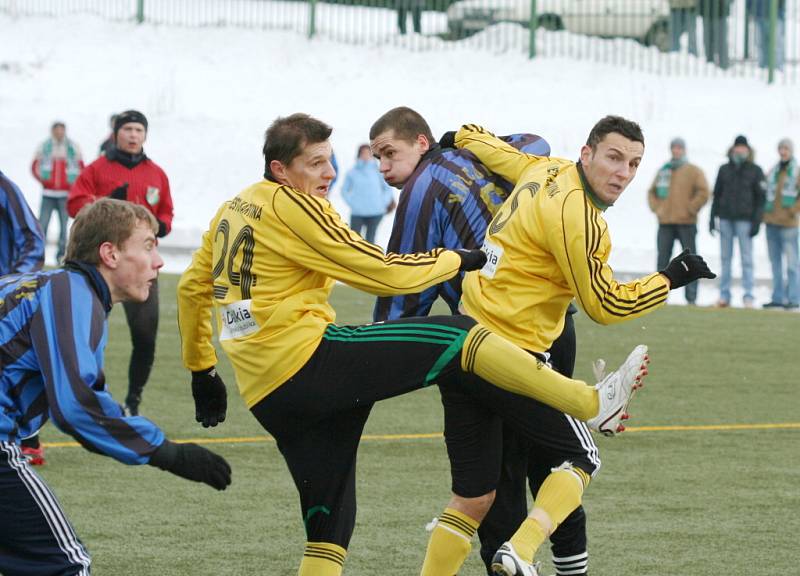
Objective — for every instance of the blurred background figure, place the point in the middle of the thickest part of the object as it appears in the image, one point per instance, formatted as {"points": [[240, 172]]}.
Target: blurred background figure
{"points": [[403, 8], [739, 194], [57, 165], [781, 217], [715, 30], [683, 18], [676, 196], [366, 192], [759, 9], [108, 143]]}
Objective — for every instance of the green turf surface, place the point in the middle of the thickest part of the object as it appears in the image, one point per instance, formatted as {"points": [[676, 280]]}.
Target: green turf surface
{"points": [[701, 502]]}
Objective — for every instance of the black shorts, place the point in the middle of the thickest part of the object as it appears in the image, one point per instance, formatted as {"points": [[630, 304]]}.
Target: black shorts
{"points": [[317, 416]]}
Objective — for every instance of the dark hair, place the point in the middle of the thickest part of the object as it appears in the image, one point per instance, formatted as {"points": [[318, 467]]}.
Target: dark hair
{"points": [[361, 149], [616, 124], [128, 117], [58, 123], [286, 137], [106, 220], [406, 123]]}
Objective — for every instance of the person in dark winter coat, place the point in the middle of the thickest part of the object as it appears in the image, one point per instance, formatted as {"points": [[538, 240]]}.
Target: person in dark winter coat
{"points": [[739, 195]]}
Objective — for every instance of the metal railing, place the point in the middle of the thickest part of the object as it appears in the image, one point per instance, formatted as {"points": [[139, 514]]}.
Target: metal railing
{"points": [[756, 38]]}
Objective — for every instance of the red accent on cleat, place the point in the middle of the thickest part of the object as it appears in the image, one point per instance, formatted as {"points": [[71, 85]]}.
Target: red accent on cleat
{"points": [[621, 428], [34, 456], [624, 416]]}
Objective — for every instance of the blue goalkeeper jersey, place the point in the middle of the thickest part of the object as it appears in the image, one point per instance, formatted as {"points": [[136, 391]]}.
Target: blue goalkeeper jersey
{"points": [[53, 331], [21, 238], [447, 202]]}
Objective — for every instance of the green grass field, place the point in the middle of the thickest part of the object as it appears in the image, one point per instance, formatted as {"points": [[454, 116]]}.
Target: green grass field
{"points": [[719, 497]]}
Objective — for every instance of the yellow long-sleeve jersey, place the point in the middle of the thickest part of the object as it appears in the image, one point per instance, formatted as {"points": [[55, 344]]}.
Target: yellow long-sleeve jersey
{"points": [[547, 244], [268, 263]]}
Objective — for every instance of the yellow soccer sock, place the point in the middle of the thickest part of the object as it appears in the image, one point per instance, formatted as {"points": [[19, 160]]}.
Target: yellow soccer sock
{"points": [[322, 559], [450, 544], [508, 366], [559, 495]]}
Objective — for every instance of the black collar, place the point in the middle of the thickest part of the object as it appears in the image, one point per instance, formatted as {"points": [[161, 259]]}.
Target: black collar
{"points": [[96, 281], [127, 159]]}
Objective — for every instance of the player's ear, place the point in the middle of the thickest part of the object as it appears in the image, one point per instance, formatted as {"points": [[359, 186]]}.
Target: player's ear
{"points": [[423, 143], [278, 171], [109, 255]]}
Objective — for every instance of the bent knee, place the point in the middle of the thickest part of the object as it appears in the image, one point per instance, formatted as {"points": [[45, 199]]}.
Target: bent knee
{"points": [[476, 507]]}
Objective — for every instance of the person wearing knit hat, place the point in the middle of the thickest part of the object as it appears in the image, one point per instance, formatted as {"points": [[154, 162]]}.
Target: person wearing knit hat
{"points": [[736, 210], [126, 173], [678, 192], [782, 218]]}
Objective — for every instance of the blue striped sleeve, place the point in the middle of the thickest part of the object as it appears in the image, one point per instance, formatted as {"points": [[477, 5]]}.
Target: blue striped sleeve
{"points": [[68, 333], [26, 234]]}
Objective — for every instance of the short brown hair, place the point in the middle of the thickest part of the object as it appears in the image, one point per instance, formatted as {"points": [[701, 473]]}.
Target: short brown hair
{"points": [[627, 128], [286, 137], [106, 220], [406, 123]]}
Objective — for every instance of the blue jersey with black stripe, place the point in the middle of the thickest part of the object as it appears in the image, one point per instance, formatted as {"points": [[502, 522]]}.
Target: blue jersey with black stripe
{"points": [[21, 238], [447, 202], [53, 331]]}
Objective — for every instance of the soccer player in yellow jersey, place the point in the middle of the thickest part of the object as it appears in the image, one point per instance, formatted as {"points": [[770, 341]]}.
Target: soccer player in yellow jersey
{"points": [[267, 264], [547, 245]]}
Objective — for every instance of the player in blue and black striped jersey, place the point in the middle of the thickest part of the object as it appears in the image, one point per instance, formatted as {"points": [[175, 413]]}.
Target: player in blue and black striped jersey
{"points": [[21, 250], [447, 200], [53, 331]]}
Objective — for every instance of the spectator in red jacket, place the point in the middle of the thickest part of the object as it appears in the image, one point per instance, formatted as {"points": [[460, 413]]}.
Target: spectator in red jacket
{"points": [[56, 166], [126, 173]]}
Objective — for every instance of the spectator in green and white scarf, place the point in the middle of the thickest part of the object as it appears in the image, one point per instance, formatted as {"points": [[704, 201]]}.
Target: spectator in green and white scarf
{"points": [[56, 166], [677, 194], [781, 215]]}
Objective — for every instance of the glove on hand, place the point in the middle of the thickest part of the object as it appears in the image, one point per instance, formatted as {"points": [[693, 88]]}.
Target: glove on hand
{"points": [[193, 462], [754, 227], [120, 192], [471, 259], [210, 397], [686, 268], [448, 140]]}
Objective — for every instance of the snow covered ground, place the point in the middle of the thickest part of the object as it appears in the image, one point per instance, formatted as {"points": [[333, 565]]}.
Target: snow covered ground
{"points": [[209, 94]]}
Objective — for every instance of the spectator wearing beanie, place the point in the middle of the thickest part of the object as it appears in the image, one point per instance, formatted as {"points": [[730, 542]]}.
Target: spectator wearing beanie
{"points": [[736, 212], [677, 194], [126, 173], [781, 217]]}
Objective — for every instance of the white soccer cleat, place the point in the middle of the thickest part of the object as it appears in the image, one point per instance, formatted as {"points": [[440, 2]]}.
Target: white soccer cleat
{"points": [[616, 391], [506, 562]]}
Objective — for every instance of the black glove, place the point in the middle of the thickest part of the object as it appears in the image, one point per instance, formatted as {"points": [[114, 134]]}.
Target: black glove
{"points": [[162, 229], [448, 140], [686, 268], [471, 259], [210, 397], [192, 462], [712, 225], [120, 192], [754, 227]]}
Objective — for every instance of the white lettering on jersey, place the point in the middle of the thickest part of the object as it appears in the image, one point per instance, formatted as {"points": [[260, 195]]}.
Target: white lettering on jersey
{"points": [[237, 320], [494, 254]]}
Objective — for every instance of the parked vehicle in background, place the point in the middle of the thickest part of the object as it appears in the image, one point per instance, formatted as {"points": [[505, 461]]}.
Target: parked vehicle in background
{"points": [[644, 20]]}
